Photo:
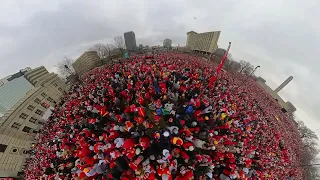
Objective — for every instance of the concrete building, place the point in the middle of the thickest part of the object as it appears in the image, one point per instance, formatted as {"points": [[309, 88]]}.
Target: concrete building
{"points": [[130, 40], [20, 123], [87, 61], [203, 42], [286, 106], [167, 43]]}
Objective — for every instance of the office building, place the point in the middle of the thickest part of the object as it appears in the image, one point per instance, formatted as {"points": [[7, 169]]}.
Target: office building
{"points": [[130, 40], [203, 42], [167, 43], [11, 92], [87, 61], [24, 115]]}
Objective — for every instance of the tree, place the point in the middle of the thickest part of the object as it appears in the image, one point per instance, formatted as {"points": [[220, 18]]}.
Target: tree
{"points": [[119, 43], [308, 151], [109, 48], [246, 67], [65, 68], [103, 50], [305, 132]]}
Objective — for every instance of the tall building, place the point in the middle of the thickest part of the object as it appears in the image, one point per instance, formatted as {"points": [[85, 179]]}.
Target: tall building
{"points": [[87, 61], [24, 115], [130, 40], [286, 82], [203, 42], [12, 91], [167, 43]]}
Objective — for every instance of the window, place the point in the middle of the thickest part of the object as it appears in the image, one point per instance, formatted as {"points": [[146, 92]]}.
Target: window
{"points": [[14, 150], [3, 147], [41, 123], [23, 116], [26, 129], [55, 85], [60, 89], [50, 99], [16, 125], [37, 101], [38, 111], [44, 105], [43, 94], [33, 120], [30, 107]]}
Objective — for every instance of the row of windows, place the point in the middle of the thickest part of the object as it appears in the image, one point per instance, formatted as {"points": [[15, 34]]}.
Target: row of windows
{"points": [[38, 111], [38, 101], [31, 108], [26, 129], [3, 148]]}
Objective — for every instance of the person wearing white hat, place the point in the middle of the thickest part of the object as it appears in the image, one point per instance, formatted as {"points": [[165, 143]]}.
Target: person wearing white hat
{"points": [[173, 129], [166, 134]]}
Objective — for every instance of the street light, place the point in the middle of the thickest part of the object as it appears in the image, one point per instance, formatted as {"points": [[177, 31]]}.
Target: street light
{"points": [[254, 70]]}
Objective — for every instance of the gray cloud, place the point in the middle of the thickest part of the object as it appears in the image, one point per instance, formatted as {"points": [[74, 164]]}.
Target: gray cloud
{"points": [[280, 36]]}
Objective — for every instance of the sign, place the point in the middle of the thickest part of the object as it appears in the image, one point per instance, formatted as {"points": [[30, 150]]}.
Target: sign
{"points": [[126, 55]]}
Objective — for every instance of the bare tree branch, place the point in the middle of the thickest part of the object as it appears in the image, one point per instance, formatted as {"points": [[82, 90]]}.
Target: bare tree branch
{"points": [[119, 42], [246, 67], [101, 50], [309, 150], [65, 67]]}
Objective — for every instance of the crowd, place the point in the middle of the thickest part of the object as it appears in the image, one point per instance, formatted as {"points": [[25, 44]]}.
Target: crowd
{"points": [[156, 118]]}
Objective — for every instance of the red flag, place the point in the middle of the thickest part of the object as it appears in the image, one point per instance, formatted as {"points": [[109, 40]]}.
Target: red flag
{"points": [[214, 77]]}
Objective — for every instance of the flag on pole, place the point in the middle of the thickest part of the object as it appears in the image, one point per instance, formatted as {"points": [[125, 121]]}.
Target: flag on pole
{"points": [[214, 77]]}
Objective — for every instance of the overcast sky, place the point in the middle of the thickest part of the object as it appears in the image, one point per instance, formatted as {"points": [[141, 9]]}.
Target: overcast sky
{"points": [[282, 36]]}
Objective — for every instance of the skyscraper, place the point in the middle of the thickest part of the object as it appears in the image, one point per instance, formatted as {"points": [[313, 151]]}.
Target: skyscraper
{"points": [[167, 43], [130, 40]]}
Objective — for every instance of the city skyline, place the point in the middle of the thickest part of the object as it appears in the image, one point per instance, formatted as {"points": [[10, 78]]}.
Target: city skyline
{"points": [[29, 38]]}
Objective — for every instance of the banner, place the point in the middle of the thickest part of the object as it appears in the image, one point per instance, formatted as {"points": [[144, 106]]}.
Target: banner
{"points": [[214, 77]]}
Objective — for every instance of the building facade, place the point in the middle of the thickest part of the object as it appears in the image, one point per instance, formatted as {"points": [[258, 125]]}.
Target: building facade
{"points": [[130, 41], [203, 42], [87, 61], [12, 91], [167, 43], [20, 124]]}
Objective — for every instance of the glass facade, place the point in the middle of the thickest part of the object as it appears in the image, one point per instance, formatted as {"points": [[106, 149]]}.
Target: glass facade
{"points": [[12, 92]]}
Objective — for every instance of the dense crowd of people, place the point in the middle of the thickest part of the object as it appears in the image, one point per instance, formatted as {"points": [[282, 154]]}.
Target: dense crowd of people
{"points": [[156, 118]]}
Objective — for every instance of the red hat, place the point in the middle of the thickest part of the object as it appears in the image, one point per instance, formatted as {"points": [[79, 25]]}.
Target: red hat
{"points": [[128, 126], [188, 146], [141, 100], [144, 142], [82, 175], [141, 112], [139, 120], [177, 150], [128, 143], [184, 155], [179, 142], [157, 118]]}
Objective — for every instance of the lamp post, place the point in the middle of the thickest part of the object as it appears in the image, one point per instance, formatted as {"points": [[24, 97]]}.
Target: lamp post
{"points": [[254, 70]]}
